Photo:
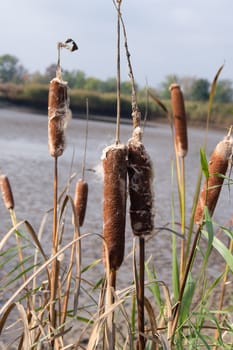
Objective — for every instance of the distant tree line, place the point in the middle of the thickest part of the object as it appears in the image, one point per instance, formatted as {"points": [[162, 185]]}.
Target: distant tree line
{"points": [[194, 89]]}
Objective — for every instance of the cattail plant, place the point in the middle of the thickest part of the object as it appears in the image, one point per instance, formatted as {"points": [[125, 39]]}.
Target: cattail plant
{"points": [[114, 161], [58, 116], [81, 188], [217, 168], [179, 128], [208, 197], [140, 175]]}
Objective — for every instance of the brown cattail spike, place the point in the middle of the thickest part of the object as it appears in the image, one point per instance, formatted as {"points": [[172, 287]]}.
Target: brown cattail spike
{"points": [[218, 164], [6, 192], [178, 111], [114, 160], [140, 175], [58, 115], [80, 199]]}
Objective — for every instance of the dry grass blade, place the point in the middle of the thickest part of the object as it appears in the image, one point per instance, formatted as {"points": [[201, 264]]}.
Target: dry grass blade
{"points": [[27, 341], [152, 318], [101, 320], [40, 269], [5, 315]]}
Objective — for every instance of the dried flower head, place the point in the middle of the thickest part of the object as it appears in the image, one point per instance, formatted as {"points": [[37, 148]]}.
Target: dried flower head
{"points": [[6, 192], [179, 116], [58, 116], [218, 165], [114, 160], [140, 173], [80, 199]]}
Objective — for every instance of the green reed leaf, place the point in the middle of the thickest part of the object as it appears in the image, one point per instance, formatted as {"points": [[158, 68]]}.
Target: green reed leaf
{"points": [[204, 163]]}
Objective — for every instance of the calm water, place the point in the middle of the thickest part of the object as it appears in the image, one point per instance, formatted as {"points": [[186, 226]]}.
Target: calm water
{"points": [[25, 159]]}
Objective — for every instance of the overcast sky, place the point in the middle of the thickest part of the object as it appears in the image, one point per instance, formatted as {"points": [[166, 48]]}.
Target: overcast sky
{"points": [[187, 38]]}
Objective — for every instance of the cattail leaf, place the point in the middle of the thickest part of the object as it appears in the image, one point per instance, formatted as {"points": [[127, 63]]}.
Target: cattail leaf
{"points": [[204, 163], [150, 311], [159, 102], [213, 88], [210, 231], [154, 287], [211, 97], [223, 250], [187, 298], [227, 231], [5, 315]]}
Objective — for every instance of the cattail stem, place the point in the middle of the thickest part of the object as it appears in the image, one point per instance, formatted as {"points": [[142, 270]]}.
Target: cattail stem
{"points": [[55, 264], [113, 279], [86, 138], [118, 76], [182, 197], [140, 299], [188, 268]]}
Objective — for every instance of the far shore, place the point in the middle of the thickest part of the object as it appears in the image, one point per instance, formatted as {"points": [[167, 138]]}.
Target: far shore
{"points": [[108, 119]]}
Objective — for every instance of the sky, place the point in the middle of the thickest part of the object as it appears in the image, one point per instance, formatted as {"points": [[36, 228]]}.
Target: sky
{"points": [[165, 37]]}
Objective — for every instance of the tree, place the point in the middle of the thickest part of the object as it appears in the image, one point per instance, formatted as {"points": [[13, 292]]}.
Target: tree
{"points": [[11, 70], [76, 78], [224, 91], [200, 90], [169, 79], [93, 84]]}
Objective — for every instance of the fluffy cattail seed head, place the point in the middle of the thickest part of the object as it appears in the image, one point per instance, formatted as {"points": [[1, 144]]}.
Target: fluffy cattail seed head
{"points": [[140, 173], [6, 192], [114, 160], [80, 199], [218, 164], [58, 115], [179, 116]]}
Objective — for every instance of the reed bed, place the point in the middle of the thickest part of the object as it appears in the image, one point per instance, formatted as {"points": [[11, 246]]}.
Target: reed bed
{"points": [[45, 290]]}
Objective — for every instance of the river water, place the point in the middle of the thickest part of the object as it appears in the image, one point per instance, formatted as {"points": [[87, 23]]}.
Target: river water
{"points": [[24, 157]]}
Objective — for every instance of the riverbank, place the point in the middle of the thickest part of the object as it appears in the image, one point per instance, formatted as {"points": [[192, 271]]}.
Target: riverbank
{"points": [[35, 99]]}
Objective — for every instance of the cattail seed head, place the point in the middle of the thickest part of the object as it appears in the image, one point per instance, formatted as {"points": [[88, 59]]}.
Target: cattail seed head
{"points": [[179, 116], [80, 199], [218, 164], [58, 115], [6, 192], [140, 173], [114, 160]]}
